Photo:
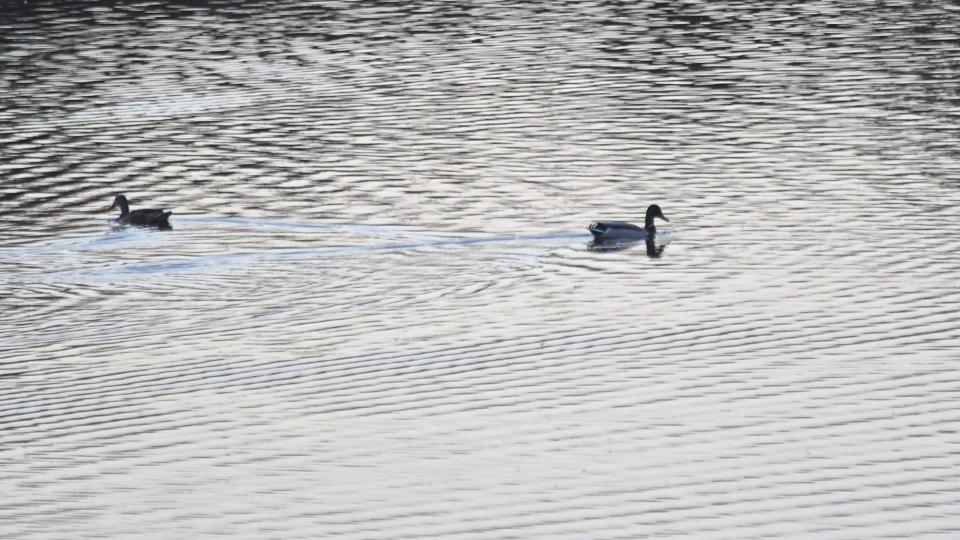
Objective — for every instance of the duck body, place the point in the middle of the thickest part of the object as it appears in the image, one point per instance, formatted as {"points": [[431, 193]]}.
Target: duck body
{"points": [[622, 231], [618, 231], [145, 217]]}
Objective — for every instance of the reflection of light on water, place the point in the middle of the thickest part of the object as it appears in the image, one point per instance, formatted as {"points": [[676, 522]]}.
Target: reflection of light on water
{"points": [[378, 313], [141, 111]]}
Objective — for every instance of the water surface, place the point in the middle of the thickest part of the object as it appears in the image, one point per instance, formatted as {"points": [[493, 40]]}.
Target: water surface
{"points": [[379, 315]]}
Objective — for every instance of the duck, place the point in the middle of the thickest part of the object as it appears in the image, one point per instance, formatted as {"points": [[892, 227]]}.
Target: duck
{"points": [[621, 231], [147, 217]]}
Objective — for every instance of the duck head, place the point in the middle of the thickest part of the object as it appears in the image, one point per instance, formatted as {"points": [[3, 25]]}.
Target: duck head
{"points": [[120, 201], [653, 211]]}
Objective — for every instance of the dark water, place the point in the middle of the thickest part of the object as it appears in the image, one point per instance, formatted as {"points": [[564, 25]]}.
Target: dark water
{"points": [[378, 314]]}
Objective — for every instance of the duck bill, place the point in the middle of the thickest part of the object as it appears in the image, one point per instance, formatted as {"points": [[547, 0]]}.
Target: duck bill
{"points": [[112, 206], [663, 217]]}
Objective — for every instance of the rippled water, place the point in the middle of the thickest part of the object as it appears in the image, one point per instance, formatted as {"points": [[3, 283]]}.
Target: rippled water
{"points": [[378, 313]]}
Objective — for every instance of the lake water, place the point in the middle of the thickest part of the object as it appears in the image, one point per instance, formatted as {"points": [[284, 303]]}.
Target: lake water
{"points": [[378, 313]]}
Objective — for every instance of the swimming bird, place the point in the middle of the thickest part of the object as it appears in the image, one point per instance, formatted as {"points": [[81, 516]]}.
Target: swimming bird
{"points": [[148, 217], [614, 231]]}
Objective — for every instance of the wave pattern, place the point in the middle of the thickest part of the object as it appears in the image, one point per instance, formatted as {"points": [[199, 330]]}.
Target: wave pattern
{"points": [[378, 314]]}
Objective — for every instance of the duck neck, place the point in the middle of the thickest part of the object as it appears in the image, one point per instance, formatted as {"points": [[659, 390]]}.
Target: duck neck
{"points": [[124, 207], [648, 223]]}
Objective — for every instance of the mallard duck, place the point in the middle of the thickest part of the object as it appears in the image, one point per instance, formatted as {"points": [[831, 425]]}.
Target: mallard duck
{"points": [[613, 231], [148, 217]]}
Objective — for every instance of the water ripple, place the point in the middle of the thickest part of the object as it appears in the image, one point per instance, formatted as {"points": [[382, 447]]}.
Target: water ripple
{"points": [[378, 313]]}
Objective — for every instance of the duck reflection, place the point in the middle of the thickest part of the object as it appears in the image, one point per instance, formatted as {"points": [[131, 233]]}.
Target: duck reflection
{"points": [[654, 250]]}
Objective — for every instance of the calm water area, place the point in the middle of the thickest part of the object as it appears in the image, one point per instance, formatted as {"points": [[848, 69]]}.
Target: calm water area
{"points": [[379, 314]]}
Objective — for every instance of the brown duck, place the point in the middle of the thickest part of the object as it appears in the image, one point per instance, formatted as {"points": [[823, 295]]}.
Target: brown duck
{"points": [[147, 217]]}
